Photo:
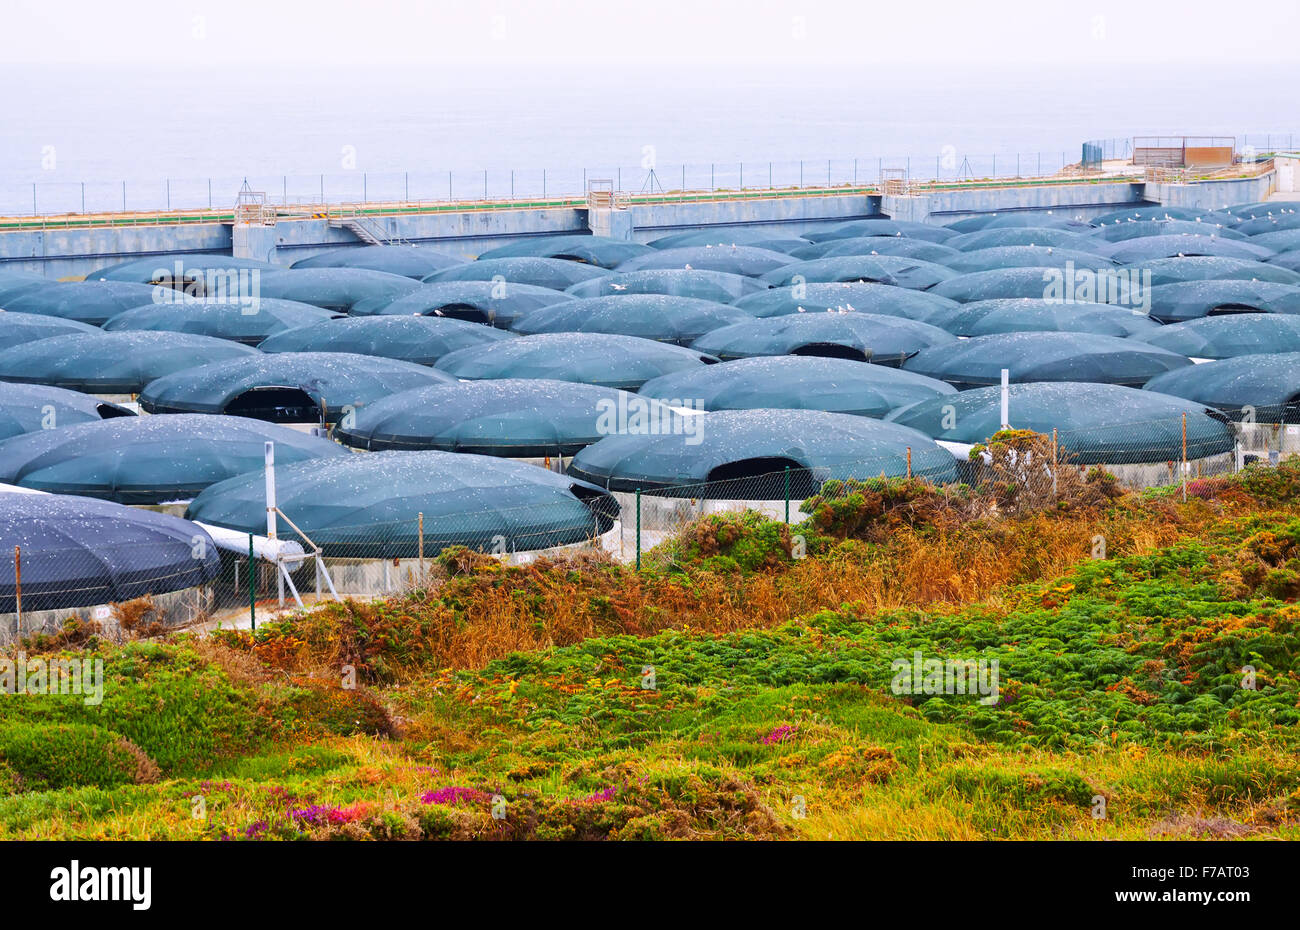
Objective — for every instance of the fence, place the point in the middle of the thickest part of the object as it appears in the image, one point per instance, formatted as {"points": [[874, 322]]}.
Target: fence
{"points": [[47, 198], [378, 558]]}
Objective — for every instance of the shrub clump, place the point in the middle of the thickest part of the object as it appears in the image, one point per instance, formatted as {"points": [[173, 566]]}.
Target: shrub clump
{"points": [[873, 508], [745, 541], [42, 757]]}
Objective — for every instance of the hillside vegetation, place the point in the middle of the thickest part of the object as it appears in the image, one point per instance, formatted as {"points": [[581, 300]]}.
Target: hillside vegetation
{"points": [[1148, 655]]}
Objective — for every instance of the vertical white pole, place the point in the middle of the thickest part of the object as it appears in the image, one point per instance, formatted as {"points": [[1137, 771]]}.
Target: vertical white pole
{"points": [[270, 515], [1006, 399], [270, 490]]}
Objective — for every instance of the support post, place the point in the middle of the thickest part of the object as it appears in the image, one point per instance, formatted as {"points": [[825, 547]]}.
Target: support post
{"points": [[638, 529], [421, 525], [787, 495], [1054, 461], [1184, 458], [909, 461], [252, 585], [18, 592]]}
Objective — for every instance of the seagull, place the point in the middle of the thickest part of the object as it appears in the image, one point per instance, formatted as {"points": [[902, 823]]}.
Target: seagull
{"points": [[619, 287]]}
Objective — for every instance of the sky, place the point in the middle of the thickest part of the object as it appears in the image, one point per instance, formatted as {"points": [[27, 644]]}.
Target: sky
{"points": [[147, 100], [669, 34]]}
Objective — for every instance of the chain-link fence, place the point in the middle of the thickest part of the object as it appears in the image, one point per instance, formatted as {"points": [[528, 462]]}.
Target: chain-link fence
{"points": [[54, 197], [234, 578]]}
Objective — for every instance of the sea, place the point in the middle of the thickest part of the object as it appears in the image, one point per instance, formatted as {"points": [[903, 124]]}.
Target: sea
{"points": [[142, 138]]}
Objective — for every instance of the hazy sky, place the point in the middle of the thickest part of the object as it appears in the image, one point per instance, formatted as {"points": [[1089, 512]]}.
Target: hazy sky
{"points": [[773, 34], [159, 91]]}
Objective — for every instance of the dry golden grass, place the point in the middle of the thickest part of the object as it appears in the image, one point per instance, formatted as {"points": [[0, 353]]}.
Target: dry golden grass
{"points": [[485, 610]]}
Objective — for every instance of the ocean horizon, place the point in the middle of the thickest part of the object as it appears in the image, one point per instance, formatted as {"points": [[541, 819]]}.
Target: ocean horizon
{"points": [[286, 127]]}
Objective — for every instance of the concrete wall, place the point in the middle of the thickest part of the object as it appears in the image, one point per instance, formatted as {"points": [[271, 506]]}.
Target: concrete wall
{"points": [[779, 216], [59, 253], [465, 234], [1212, 195], [1082, 201]]}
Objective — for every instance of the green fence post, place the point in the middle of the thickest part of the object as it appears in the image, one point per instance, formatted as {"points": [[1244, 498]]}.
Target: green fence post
{"points": [[252, 587], [638, 529], [787, 495]]}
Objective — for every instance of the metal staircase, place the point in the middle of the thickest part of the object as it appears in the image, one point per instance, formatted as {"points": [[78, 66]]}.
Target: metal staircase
{"points": [[364, 228]]}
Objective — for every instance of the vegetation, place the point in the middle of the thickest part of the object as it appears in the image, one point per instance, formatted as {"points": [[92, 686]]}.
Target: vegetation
{"points": [[744, 684]]}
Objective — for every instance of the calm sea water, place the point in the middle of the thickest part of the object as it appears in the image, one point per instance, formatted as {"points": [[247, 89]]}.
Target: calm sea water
{"points": [[285, 129]]}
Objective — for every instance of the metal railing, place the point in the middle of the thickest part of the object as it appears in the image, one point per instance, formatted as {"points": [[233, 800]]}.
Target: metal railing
{"points": [[53, 204]]}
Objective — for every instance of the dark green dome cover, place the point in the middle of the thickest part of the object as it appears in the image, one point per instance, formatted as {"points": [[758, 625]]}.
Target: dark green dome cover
{"points": [[286, 387], [79, 552], [744, 453], [624, 362], [1148, 247], [979, 362], [719, 286], [1230, 335], [1212, 268], [885, 340], [732, 259], [1015, 220], [409, 261], [366, 506], [1143, 229], [882, 269], [877, 245], [794, 382], [555, 273], [1032, 314], [178, 270], [248, 323], [1025, 235], [17, 328], [90, 302], [25, 408], [1190, 300], [678, 320], [419, 339], [513, 417], [863, 296], [1000, 284], [150, 460], [1269, 383], [593, 250], [1095, 423], [488, 302], [877, 227], [334, 288], [1027, 256], [113, 363]]}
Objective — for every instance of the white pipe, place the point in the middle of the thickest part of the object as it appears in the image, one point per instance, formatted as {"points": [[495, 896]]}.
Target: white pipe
{"points": [[1006, 399], [270, 490], [288, 552]]}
